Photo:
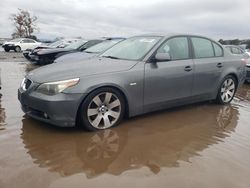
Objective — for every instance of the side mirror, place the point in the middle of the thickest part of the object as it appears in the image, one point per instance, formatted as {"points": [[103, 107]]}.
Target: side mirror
{"points": [[162, 57]]}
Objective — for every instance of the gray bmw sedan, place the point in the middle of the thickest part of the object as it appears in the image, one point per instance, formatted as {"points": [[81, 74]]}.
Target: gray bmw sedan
{"points": [[138, 75]]}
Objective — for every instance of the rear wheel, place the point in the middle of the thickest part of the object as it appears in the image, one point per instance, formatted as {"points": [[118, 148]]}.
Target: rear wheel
{"points": [[17, 49], [227, 90], [102, 109]]}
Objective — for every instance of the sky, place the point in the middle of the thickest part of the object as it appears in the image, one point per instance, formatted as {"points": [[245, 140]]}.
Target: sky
{"points": [[227, 19]]}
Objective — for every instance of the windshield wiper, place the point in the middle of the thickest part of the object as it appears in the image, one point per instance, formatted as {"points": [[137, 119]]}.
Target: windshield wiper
{"points": [[111, 57]]}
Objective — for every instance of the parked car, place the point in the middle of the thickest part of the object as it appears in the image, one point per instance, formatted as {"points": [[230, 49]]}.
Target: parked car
{"points": [[138, 75], [47, 56], [245, 47], [237, 50], [88, 53], [29, 53], [20, 44]]}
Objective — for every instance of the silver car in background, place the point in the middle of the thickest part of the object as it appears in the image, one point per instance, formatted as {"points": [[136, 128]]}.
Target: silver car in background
{"points": [[237, 50], [138, 75]]}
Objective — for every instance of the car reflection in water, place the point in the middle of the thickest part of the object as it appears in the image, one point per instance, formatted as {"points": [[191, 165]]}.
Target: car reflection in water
{"points": [[2, 114], [155, 141]]}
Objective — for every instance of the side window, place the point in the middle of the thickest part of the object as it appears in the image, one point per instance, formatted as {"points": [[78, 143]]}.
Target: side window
{"points": [[236, 50], [28, 41], [202, 47], [31, 41], [176, 47], [218, 50], [25, 41]]}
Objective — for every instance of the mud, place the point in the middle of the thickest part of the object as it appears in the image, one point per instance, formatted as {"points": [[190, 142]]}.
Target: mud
{"points": [[200, 145]]}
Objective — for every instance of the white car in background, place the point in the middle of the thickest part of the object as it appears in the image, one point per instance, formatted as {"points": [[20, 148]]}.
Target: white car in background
{"points": [[20, 44]]}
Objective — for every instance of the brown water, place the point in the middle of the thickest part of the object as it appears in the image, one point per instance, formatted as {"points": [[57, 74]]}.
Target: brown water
{"points": [[201, 145]]}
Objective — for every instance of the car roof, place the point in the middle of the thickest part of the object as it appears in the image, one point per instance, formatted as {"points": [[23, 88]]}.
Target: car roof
{"points": [[167, 35]]}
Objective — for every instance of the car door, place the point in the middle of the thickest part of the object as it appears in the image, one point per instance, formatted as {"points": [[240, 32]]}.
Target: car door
{"points": [[30, 43], [27, 43], [24, 44], [209, 63], [167, 83]]}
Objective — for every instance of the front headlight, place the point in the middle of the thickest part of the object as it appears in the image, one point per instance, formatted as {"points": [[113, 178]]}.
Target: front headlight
{"points": [[53, 88]]}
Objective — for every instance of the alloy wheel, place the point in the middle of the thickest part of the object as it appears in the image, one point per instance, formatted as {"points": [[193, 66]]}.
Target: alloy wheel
{"points": [[104, 110], [227, 90]]}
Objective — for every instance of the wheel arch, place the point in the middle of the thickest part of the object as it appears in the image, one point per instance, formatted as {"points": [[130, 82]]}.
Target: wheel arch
{"points": [[113, 86], [228, 73], [235, 76]]}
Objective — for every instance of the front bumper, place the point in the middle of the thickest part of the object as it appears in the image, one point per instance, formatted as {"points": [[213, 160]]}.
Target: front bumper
{"points": [[26, 54], [60, 110], [9, 47]]}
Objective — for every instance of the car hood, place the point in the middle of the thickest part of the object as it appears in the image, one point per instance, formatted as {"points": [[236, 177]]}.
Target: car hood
{"points": [[53, 50], [79, 69], [6, 43], [74, 56]]}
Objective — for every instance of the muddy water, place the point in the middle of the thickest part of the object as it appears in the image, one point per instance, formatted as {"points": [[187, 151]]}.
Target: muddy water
{"points": [[201, 145]]}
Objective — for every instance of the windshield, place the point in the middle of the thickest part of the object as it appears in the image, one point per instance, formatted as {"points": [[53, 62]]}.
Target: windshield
{"points": [[77, 44], [56, 44], [134, 48], [102, 46], [15, 40]]}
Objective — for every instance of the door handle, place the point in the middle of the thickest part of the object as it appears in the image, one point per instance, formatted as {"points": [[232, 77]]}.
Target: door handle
{"points": [[219, 65], [188, 68]]}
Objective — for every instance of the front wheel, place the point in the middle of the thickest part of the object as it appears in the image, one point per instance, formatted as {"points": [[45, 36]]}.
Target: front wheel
{"points": [[102, 109], [6, 49], [227, 90]]}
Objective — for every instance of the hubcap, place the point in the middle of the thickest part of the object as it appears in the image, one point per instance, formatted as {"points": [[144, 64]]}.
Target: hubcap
{"points": [[104, 110], [227, 90]]}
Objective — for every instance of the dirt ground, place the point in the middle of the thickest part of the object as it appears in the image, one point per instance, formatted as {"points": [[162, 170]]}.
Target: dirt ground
{"points": [[196, 146]]}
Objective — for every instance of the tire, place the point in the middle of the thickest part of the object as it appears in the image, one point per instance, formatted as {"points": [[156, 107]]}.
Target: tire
{"points": [[227, 90], [102, 109], [17, 49], [6, 49]]}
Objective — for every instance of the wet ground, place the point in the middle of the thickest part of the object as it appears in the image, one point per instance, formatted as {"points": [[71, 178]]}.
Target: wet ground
{"points": [[202, 145]]}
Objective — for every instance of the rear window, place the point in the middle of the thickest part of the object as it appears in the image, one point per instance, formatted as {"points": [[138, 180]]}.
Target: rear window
{"points": [[203, 48]]}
